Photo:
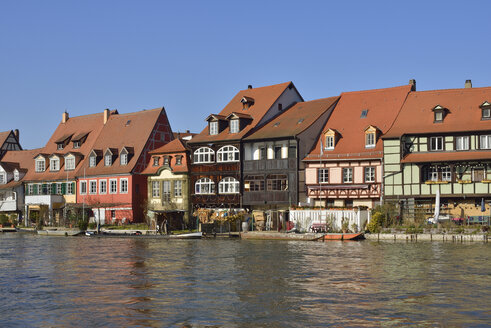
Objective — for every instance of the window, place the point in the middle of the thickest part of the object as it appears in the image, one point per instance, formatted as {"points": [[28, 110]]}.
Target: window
{"points": [[123, 159], [92, 187], [60, 146], [123, 184], [16, 175], [113, 186], [364, 113], [438, 116], [92, 161], [228, 154], [436, 143], [59, 189], [155, 189], [446, 173], [277, 182], [369, 174], [102, 186], [155, 161], [485, 111], [477, 174], [234, 126], [54, 164], [3, 179], [433, 173], [83, 187], [69, 164], [30, 189], [262, 153], [254, 183], [213, 128], [347, 175], [40, 165], [485, 142], [178, 160], [228, 185], [69, 188], [329, 142], [204, 186], [292, 151], [204, 155], [108, 160], [462, 143], [76, 144], [166, 191], [166, 160], [370, 140], [178, 188], [323, 175]]}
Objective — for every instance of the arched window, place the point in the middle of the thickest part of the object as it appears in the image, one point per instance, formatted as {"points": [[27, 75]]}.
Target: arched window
{"points": [[228, 185], [204, 186], [228, 154], [204, 155]]}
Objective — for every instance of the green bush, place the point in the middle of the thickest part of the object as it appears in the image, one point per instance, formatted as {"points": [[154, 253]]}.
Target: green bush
{"points": [[376, 222], [4, 219]]}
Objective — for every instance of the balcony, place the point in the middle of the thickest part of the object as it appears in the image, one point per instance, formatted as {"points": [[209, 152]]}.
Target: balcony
{"points": [[8, 205], [270, 164], [43, 199]]}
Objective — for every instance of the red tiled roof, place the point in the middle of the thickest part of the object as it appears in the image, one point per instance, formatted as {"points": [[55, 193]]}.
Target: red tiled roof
{"points": [[294, 120], [464, 113], [122, 130], [446, 156], [264, 98], [383, 105], [3, 137], [175, 146], [22, 160]]}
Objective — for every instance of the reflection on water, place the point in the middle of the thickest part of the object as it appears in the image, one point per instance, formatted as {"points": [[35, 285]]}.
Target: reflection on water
{"points": [[60, 282]]}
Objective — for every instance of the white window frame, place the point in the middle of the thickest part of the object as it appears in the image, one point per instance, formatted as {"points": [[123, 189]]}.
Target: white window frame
{"points": [[485, 141], [69, 188], [166, 190], [178, 160], [102, 187], [83, 187], [347, 175], [323, 175], [108, 160], [369, 174], [155, 189], [40, 165], [3, 178], [486, 113], [91, 184], [59, 189], [370, 140], [70, 163], [462, 143], [228, 154], [111, 191], [329, 143], [229, 185], [60, 146], [433, 173], [437, 143], [234, 126], [177, 188], [54, 164], [446, 172], [204, 155], [92, 161], [77, 144], [123, 186], [213, 128], [123, 159], [156, 161], [204, 186], [16, 175]]}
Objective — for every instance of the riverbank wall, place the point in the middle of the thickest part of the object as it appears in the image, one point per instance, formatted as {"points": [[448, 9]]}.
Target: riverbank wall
{"points": [[428, 237]]}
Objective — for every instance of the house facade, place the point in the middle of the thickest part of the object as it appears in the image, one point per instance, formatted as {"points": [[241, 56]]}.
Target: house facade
{"points": [[345, 167], [217, 151], [441, 142], [273, 171], [110, 180], [9, 140], [169, 185]]}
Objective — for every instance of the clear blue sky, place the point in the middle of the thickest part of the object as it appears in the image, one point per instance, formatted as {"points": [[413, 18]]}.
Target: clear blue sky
{"points": [[193, 56]]}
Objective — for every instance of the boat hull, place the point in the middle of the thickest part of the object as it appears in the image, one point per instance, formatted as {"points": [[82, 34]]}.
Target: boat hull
{"points": [[342, 236]]}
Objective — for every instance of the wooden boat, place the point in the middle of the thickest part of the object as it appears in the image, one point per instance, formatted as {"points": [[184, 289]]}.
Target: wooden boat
{"points": [[56, 232], [192, 235], [342, 236]]}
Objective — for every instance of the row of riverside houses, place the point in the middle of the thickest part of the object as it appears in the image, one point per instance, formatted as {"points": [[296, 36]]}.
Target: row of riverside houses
{"points": [[266, 151]]}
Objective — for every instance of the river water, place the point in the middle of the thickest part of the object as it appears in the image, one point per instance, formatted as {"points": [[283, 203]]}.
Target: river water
{"points": [[122, 282]]}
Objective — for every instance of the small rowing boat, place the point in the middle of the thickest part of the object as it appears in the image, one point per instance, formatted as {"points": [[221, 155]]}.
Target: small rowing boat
{"points": [[342, 236]]}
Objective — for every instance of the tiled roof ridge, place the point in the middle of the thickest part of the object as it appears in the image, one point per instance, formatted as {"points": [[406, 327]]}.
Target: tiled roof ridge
{"points": [[376, 90], [267, 86], [452, 90], [137, 112]]}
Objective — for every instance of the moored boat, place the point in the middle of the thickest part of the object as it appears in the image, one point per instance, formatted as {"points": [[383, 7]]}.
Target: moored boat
{"points": [[56, 232], [342, 236]]}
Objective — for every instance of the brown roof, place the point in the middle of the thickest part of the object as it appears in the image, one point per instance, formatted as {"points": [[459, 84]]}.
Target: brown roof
{"points": [[294, 120], [383, 105], [175, 146], [446, 156], [178, 134], [21, 160], [264, 98], [3, 137], [122, 130], [91, 124], [464, 113]]}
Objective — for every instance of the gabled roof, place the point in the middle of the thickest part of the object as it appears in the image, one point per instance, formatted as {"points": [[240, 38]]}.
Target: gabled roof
{"points": [[350, 118], [9, 166], [216, 117], [3, 137], [23, 160], [239, 115], [264, 98], [417, 117], [294, 120], [131, 130], [175, 146]]}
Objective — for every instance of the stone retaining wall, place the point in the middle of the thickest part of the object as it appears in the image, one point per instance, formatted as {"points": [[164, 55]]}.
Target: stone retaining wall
{"points": [[427, 237]]}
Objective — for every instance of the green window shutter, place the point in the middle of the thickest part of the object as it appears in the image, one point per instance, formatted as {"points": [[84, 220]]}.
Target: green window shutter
{"points": [[35, 189], [74, 185], [53, 188], [63, 188]]}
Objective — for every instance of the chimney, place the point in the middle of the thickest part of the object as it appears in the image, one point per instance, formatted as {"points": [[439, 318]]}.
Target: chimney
{"points": [[187, 131], [249, 86], [16, 133], [107, 113], [412, 83], [468, 84], [64, 117]]}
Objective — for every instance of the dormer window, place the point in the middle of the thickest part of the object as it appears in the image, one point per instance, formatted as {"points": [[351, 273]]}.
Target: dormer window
{"points": [[329, 142], [247, 102], [70, 163], [330, 137], [54, 164], [485, 111], [439, 114], [108, 159], [40, 165], [16, 175], [76, 144], [213, 128], [370, 136], [234, 126], [364, 113], [125, 155], [155, 161], [123, 159], [92, 161], [60, 146], [179, 160], [166, 160]]}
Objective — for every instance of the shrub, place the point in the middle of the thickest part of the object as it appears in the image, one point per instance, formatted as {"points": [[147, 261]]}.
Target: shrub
{"points": [[376, 222]]}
